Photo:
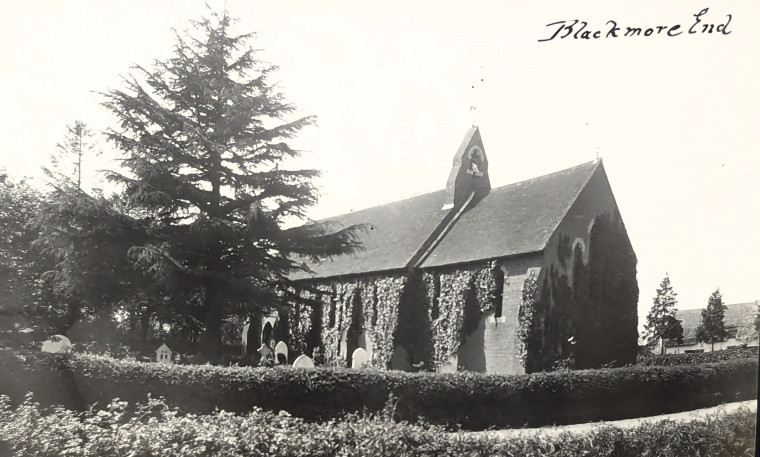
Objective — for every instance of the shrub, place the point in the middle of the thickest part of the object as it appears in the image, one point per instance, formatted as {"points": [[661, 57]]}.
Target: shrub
{"points": [[472, 400], [701, 357], [154, 429]]}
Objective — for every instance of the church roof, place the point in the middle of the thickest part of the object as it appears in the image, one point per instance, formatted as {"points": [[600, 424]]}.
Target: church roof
{"points": [[510, 220], [396, 231]]}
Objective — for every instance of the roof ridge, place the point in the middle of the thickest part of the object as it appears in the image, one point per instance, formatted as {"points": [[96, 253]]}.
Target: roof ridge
{"points": [[584, 164], [424, 193]]}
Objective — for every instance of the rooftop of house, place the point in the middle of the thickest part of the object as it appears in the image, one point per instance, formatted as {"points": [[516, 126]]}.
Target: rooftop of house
{"points": [[735, 315], [511, 220]]}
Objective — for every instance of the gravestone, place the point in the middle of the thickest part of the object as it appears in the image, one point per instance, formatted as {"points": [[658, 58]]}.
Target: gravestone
{"points": [[245, 338], [281, 353], [266, 355], [359, 358], [303, 361], [163, 354], [56, 344]]}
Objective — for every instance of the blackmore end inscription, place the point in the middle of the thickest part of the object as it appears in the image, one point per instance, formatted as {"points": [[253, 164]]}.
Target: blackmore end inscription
{"points": [[577, 29]]}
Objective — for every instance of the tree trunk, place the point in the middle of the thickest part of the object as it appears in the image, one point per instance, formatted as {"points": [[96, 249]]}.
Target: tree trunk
{"points": [[212, 341], [145, 324]]}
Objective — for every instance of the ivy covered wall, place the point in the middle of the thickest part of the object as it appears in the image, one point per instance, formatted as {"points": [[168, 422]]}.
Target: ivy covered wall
{"points": [[583, 313], [334, 315], [441, 308]]}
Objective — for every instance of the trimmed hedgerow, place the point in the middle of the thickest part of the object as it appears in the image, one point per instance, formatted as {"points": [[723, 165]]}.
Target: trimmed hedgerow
{"points": [[702, 357], [154, 429], [473, 400]]}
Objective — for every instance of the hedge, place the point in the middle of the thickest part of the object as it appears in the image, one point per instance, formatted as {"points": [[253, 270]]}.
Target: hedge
{"points": [[473, 400], [153, 429], [701, 357]]}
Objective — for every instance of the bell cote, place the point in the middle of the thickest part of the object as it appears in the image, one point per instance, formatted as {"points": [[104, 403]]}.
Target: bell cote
{"points": [[469, 173]]}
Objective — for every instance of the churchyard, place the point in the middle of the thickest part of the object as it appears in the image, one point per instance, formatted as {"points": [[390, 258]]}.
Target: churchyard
{"points": [[185, 314]]}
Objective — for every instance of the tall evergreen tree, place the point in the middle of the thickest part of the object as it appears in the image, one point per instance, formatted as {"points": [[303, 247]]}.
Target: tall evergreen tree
{"points": [[661, 321], [711, 329], [70, 155], [204, 139]]}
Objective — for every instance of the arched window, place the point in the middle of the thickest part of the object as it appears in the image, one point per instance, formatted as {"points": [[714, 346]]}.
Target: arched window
{"points": [[266, 334], [498, 296]]}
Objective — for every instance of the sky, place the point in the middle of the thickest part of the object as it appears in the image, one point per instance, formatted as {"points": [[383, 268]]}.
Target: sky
{"points": [[395, 85]]}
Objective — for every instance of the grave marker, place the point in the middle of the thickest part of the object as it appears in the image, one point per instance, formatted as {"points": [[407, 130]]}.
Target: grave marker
{"points": [[163, 354], [281, 353], [303, 361], [56, 344], [359, 358]]}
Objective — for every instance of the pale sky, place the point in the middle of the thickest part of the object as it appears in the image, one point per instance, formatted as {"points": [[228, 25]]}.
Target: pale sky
{"points": [[675, 119]]}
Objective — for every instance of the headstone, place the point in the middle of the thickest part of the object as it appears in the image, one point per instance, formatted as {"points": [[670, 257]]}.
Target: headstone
{"points": [[245, 336], [303, 361], [56, 344], [359, 358], [266, 355], [281, 353], [163, 354]]}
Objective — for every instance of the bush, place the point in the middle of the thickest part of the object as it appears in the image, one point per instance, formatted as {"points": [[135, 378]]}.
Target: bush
{"points": [[472, 400], [154, 429], [702, 357]]}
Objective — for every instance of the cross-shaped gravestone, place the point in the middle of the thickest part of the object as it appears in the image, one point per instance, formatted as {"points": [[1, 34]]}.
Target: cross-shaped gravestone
{"points": [[164, 354]]}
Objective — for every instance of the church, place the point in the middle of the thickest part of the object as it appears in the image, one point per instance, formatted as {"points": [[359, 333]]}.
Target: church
{"points": [[532, 276]]}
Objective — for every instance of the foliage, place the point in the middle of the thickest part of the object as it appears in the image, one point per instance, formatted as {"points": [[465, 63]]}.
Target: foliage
{"points": [[474, 400], [711, 329], [196, 235], [747, 330], [661, 322], [737, 353], [447, 325], [386, 295], [441, 309], [152, 428], [528, 294], [77, 148], [25, 297], [349, 307], [584, 314]]}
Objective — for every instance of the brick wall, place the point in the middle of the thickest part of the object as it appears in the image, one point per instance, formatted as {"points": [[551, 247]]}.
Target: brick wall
{"points": [[493, 347]]}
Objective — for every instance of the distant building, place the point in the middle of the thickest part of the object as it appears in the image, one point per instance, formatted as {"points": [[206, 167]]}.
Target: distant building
{"points": [[441, 281], [738, 320]]}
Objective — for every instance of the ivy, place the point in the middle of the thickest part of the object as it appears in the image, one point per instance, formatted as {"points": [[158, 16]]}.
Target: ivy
{"points": [[529, 293], [583, 315], [386, 294], [378, 298]]}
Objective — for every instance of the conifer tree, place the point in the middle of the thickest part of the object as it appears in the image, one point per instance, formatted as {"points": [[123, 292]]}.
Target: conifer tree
{"points": [[661, 321], [70, 155], [711, 329], [204, 141]]}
